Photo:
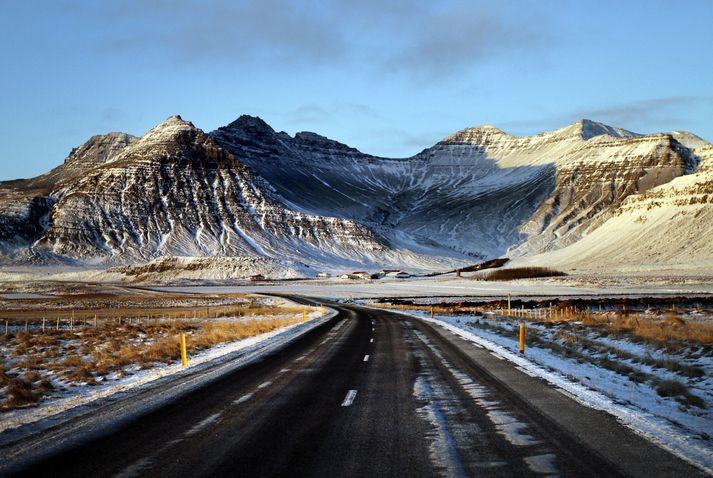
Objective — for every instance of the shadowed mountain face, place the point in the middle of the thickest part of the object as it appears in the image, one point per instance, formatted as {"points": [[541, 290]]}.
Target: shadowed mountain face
{"points": [[246, 190], [479, 192]]}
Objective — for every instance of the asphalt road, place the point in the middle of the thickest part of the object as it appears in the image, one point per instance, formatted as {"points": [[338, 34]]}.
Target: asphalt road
{"points": [[370, 393]]}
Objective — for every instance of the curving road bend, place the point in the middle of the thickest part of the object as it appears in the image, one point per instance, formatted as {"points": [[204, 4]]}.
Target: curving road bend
{"points": [[369, 393]]}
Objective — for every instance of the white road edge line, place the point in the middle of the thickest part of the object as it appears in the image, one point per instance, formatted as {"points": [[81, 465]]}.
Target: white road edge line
{"points": [[349, 399], [366, 358]]}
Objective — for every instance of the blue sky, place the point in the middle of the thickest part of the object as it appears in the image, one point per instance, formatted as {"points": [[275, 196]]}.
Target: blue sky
{"points": [[388, 78]]}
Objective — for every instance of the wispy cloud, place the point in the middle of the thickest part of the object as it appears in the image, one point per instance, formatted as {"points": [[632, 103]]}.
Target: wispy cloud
{"points": [[413, 38], [447, 43], [196, 31], [313, 114], [665, 113], [648, 111]]}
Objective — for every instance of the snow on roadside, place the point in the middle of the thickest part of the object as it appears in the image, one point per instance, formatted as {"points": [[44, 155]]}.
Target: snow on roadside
{"points": [[87, 394], [554, 369]]}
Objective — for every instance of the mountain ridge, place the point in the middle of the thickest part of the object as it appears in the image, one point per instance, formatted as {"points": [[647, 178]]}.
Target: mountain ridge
{"points": [[247, 190]]}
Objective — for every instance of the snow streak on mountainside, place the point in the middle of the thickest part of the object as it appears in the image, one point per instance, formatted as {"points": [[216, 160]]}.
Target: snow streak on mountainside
{"points": [[245, 190]]}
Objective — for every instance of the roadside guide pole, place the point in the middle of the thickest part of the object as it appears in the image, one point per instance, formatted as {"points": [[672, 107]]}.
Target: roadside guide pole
{"points": [[184, 355], [522, 338]]}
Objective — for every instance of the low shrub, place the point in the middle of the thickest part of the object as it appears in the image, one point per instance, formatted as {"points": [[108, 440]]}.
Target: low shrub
{"points": [[520, 273], [679, 391], [20, 394]]}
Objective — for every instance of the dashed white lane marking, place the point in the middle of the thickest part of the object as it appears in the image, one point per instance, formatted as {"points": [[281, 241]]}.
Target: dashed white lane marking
{"points": [[264, 384], [349, 399], [284, 370], [243, 399], [301, 357], [371, 341], [373, 329], [366, 358], [203, 424], [136, 469]]}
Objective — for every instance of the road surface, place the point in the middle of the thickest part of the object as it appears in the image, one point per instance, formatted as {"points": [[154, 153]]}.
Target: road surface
{"points": [[369, 393]]}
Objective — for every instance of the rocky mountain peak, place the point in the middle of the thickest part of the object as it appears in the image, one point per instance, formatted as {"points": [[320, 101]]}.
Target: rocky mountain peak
{"points": [[689, 139], [308, 138], [483, 134], [249, 125], [100, 148], [170, 126], [587, 129], [172, 131]]}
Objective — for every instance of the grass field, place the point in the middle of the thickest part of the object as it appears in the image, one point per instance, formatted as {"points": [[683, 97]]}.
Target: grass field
{"points": [[49, 347]]}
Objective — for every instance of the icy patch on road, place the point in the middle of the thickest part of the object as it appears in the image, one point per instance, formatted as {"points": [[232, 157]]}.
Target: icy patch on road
{"points": [[507, 426], [441, 443], [543, 464]]}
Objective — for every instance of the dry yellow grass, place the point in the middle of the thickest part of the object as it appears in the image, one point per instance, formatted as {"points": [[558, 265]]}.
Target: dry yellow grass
{"points": [[121, 338], [670, 326]]}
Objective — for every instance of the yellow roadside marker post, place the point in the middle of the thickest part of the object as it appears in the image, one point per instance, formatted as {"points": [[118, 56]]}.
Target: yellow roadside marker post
{"points": [[522, 338], [304, 316], [184, 355]]}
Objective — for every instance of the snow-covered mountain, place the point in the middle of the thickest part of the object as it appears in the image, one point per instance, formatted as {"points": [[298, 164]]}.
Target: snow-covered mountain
{"points": [[480, 191], [246, 190]]}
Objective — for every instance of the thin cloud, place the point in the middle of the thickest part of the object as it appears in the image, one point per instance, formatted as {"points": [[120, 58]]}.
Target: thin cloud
{"points": [[194, 31], [648, 111], [449, 42], [312, 114], [666, 113], [412, 38]]}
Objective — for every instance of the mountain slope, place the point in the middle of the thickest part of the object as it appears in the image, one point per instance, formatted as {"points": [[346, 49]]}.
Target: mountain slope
{"points": [[667, 227]]}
